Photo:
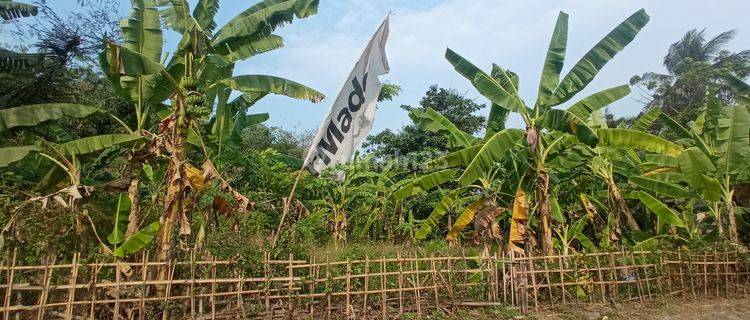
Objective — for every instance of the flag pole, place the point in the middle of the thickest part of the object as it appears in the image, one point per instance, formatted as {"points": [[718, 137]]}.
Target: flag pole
{"points": [[287, 204]]}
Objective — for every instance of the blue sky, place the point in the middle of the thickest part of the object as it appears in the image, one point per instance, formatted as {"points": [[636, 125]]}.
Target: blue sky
{"points": [[320, 51]]}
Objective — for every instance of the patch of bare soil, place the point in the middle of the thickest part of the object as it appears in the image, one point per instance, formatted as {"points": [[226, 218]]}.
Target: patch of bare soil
{"points": [[660, 309]]}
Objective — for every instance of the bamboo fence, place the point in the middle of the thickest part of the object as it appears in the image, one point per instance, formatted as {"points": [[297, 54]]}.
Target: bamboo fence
{"points": [[374, 287]]}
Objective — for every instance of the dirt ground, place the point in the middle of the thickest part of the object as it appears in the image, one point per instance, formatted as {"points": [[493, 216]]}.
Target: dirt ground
{"points": [[661, 309]]}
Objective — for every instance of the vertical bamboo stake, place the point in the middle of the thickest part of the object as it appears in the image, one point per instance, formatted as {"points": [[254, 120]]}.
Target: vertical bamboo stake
{"points": [[417, 285], [638, 285], [383, 288], [668, 275], [348, 288], [705, 275], [144, 275], [45, 292], [240, 287], [290, 283], [726, 272], [560, 267], [213, 287], [267, 283], [11, 274], [601, 278], [116, 313], [192, 284], [529, 258], [626, 267], [613, 276], [549, 279], [679, 271], [312, 270], [328, 291], [72, 290], [433, 271], [171, 266], [717, 265], [400, 285], [505, 278], [367, 286], [94, 276], [646, 278], [512, 279]]}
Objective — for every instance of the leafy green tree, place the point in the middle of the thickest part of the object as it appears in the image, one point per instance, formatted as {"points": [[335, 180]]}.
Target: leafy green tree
{"points": [[449, 103], [695, 64]]}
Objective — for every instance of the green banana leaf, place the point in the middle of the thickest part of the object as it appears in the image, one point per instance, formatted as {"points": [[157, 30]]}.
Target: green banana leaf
{"points": [[141, 31], [554, 61], [493, 150], [592, 62], [733, 140], [204, 14], [646, 120], [432, 121], [97, 143], [697, 169], [31, 115], [138, 241], [122, 61], [437, 214], [583, 109], [10, 155], [176, 16], [495, 120], [265, 15], [561, 120], [627, 138], [494, 91], [556, 212], [10, 10], [662, 160], [740, 87], [661, 187], [120, 220], [424, 183], [461, 158], [243, 48], [275, 85], [664, 213]]}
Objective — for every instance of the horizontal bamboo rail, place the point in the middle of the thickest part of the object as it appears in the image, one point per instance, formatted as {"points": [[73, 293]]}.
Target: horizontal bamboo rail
{"points": [[364, 288]]}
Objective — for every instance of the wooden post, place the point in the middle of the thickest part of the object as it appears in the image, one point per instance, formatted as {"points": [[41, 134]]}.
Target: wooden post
{"points": [[348, 288], [511, 268], [560, 268], [600, 277], [240, 285], [328, 283], [116, 312], [717, 265], [383, 288], [48, 270], [192, 285], [213, 287], [94, 276], [72, 290], [679, 271], [144, 275], [417, 285], [548, 279], [705, 275], [533, 280], [400, 285], [613, 276], [11, 274], [367, 286], [290, 284], [266, 279], [433, 271]]}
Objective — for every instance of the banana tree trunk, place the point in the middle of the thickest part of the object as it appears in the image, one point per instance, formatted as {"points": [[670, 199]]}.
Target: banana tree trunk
{"points": [[732, 220], [176, 188], [134, 216], [545, 209], [719, 223], [622, 207]]}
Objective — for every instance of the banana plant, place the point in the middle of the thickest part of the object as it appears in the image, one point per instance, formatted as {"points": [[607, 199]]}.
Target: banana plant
{"points": [[501, 88], [197, 81]]}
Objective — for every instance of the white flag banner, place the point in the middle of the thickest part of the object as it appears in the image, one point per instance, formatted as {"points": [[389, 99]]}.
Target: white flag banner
{"points": [[351, 116]]}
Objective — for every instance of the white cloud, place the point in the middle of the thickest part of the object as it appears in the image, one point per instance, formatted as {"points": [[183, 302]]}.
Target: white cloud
{"points": [[321, 50]]}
